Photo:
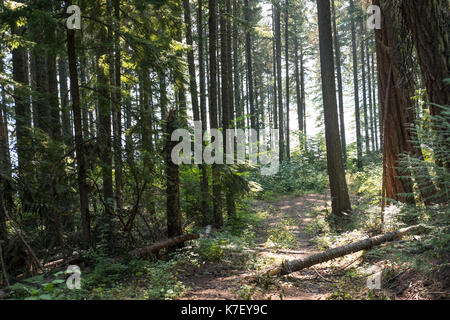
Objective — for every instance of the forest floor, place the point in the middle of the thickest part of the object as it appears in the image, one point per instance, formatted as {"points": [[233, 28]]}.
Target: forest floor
{"points": [[287, 230], [231, 264], [230, 280]]}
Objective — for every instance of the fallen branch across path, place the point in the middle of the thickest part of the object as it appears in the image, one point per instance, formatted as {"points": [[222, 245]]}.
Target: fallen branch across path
{"points": [[155, 248], [288, 267]]}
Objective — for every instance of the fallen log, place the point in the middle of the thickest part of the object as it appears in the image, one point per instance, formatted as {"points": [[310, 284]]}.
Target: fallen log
{"points": [[63, 262], [288, 267], [156, 247]]}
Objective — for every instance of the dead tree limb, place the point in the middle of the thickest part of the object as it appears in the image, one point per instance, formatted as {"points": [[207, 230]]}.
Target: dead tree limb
{"points": [[155, 248], [19, 233], [288, 267]]}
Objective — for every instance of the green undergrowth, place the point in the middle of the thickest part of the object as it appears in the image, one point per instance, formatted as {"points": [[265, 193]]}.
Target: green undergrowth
{"points": [[423, 254], [103, 277]]}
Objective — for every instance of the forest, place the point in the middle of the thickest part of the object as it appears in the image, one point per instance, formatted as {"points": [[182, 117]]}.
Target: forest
{"points": [[224, 149]]}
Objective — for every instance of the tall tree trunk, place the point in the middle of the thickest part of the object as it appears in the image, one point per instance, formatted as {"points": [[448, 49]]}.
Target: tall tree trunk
{"points": [[371, 108], [297, 87], [429, 24], [23, 120], [337, 51], [248, 58], [288, 140], [64, 95], [302, 82], [356, 88], [5, 165], [397, 113], [338, 185], [279, 82], [53, 98], [80, 153], [217, 209], [104, 140], [117, 113], [237, 78], [275, 78], [376, 107], [363, 79], [174, 217], [228, 111], [203, 116]]}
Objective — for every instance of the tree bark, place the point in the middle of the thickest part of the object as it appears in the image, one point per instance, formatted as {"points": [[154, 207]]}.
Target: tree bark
{"points": [[397, 112], [279, 81], [371, 105], [203, 116], [24, 144], [217, 208], [338, 185], [80, 153], [64, 96], [227, 98], [363, 79], [337, 51], [297, 88], [356, 88], [156, 247], [174, 217], [429, 24], [288, 140]]}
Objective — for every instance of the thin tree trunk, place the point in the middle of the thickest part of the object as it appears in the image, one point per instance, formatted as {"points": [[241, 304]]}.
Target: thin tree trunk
{"points": [[376, 117], [363, 79], [64, 95], [174, 217], [237, 79], [228, 91], [356, 88], [288, 140], [297, 88], [117, 113], [105, 141], [279, 82], [275, 78], [248, 58], [5, 168], [203, 115], [23, 120], [337, 51], [371, 108], [302, 82], [217, 209], [80, 154]]}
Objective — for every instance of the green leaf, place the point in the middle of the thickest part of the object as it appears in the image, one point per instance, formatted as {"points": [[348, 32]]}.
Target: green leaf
{"points": [[48, 286]]}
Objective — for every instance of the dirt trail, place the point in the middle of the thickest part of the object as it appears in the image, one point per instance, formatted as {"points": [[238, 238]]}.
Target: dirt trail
{"points": [[229, 280]]}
